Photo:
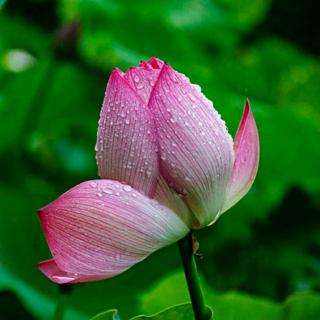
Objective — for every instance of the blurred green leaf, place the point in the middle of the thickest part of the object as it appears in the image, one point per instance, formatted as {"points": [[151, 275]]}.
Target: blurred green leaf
{"points": [[2, 2], [64, 134], [302, 306], [172, 290], [107, 315], [32, 298], [231, 305], [178, 312], [122, 34], [16, 103], [17, 33], [49, 111]]}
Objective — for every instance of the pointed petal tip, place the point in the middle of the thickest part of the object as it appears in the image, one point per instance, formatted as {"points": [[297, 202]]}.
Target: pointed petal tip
{"points": [[152, 63], [42, 211], [246, 111], [247, 154], [156, 63], [116, 72], [52, 271]]}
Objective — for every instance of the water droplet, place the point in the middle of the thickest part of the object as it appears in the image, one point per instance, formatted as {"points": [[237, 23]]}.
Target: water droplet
{"points": [[107, 190], [179, 98], [127, 121], [140, 85], [93, 184], [99, 194], [136, 79], [127, 188], [197, 87]]}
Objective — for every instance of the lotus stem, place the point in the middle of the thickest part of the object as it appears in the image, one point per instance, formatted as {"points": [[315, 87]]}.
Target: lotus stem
{"points": [[200, 310], [64, 291]]}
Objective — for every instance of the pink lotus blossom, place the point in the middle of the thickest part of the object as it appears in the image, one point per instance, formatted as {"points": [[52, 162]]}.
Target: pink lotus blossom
{"points": [[168, 165]]}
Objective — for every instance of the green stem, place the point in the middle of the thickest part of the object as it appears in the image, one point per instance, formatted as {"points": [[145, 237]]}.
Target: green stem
{"points": [[64, 291], [200, 310]]}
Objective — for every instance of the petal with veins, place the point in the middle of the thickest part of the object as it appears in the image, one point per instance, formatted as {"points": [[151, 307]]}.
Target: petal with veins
{"points": [[101, 228], [169, 198], [247, 150], [126, 144], [196, 150]]}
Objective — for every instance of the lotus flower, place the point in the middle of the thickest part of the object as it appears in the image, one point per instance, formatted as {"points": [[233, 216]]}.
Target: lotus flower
{"points": [[167, 165]]}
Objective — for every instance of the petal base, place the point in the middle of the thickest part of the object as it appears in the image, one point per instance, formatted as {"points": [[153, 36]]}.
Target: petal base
{"points": [[55, 274]]}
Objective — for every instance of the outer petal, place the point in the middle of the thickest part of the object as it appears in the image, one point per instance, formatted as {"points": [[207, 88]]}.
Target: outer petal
{"points": [[196, 149], [101, 228], [126, 145], [247, 151]]}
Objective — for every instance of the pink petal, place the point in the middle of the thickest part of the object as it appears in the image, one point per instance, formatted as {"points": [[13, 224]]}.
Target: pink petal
{"points": [[247, 150], [143, 77], [169, 198], [101, 228], [195, 146], [126, 145], [52, 271]]}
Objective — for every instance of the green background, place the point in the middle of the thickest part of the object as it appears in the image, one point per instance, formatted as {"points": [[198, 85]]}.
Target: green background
{"points": [[262, 258]]}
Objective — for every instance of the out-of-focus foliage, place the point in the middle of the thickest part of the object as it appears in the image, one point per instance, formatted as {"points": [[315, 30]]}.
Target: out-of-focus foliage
{"points": [[52, 85], [227, 306], [178, 312], [232, 305]]}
